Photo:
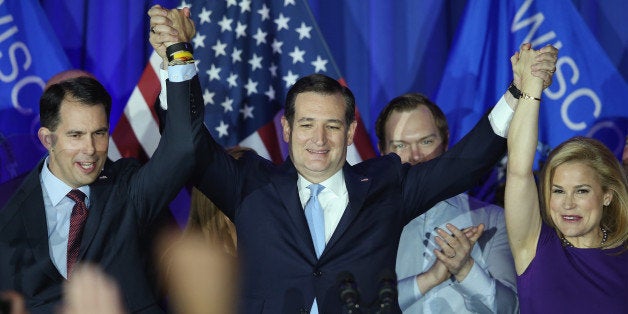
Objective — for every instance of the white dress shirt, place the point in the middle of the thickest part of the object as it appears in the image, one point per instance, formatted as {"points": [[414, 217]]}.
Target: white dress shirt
{"points": [[334, 198], [58, 212]]}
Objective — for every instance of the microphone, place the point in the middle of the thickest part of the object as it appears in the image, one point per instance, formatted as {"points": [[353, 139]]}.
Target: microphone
{"points": [[349, 293], [387, 294]]}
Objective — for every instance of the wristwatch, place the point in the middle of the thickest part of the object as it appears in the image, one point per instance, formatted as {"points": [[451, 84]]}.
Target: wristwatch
{"points": [[514, 90]]}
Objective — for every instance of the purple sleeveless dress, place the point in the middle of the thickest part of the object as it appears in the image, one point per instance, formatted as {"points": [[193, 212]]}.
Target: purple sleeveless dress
{"points": [[572, 280]]}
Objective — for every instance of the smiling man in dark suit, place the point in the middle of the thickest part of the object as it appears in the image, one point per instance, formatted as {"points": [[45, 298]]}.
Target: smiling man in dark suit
{"points": [[76, 206], [316, 219], [365, 206]]}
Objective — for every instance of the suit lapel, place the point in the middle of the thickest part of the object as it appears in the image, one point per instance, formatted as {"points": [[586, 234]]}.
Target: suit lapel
{"points": [[31, 209], [357, 187], [286, 184], [99, 191]]}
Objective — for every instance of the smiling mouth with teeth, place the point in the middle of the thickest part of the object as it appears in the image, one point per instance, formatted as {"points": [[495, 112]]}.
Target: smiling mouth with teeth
{"points": [[571, 217], [87, 165]]}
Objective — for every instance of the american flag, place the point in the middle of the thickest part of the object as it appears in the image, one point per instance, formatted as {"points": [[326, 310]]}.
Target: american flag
{"points": [[248, 55]]}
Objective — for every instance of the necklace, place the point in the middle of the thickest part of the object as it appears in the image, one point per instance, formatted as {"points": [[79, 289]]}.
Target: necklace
{"points": [[566, 242]]}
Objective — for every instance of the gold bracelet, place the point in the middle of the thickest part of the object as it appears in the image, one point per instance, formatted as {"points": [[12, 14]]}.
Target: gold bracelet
{"points": [[180, 62], [527, 96], [181, 55]]}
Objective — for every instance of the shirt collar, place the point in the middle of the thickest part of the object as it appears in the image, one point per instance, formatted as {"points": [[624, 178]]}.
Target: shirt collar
{"points": [[335, 183], [56, 188]]}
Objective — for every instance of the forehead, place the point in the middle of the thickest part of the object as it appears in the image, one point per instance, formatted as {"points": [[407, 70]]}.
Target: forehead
{"points": [[575, 173], [313, 105], [73, 113], [418, 120]]}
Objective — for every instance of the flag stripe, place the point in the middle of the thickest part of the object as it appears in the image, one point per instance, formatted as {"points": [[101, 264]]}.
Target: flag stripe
{"points": [[142, 122], [361, 140], [268, 134], [149, 85], [255, 142], [126, 141]]}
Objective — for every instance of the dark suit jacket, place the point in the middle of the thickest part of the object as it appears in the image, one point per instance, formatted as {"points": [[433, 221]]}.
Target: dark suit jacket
{"points": [[125, 199], [280, 271]]}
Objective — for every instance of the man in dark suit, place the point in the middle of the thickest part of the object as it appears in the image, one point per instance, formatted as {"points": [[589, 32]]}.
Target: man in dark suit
{"points": [[122, 198], [365, 206], [314, 220]]}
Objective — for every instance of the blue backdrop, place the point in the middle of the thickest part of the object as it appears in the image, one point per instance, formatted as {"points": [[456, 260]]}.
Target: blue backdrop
{"points": [[383, 49]]}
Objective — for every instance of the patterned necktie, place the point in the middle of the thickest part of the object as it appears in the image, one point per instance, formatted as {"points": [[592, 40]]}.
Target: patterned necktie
{"points": [[316, 219], [77, 222]]}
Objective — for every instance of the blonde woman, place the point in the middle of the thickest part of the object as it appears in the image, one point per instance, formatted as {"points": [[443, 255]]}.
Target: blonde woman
{"points": [[569, 237]]}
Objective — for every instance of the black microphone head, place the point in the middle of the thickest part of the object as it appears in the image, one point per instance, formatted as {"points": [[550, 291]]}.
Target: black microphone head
{"points": [[387, 288], [348, 289]]}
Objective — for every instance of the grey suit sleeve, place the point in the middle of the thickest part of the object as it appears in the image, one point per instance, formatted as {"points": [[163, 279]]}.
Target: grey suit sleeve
{"points": [[407, 291], [492, 289], [501, 266]]}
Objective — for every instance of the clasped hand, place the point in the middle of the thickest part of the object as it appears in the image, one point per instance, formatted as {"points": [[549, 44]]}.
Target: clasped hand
{"points": [[454, 256]]}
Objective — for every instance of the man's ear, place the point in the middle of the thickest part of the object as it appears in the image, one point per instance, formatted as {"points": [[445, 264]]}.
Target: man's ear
{"points": [[351, 132], [45, 137], [285, 126]]}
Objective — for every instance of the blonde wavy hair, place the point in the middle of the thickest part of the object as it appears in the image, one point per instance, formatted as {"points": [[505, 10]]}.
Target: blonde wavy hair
{"points": [[207, 219]]}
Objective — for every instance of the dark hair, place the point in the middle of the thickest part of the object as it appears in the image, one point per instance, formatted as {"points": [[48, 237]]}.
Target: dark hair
{"points": [[408, 102], [86, 90], [320, 84]]}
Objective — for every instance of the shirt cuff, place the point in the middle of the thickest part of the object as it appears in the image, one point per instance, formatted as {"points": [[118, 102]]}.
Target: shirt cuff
{"points": [[163, 96], [409, 293], [180, 73], [500, 117], [175, 73], [476, 282]]}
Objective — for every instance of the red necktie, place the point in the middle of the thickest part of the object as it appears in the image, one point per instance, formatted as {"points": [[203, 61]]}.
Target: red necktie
{"points": [[77, 221]]}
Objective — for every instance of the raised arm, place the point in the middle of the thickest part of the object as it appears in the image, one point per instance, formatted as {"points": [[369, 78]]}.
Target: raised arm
{"points": [[462, 166], [173, 162], [523, 217]]}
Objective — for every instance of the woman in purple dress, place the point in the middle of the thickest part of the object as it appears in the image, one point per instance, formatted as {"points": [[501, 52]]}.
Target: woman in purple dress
{"points": [[570, 242]]}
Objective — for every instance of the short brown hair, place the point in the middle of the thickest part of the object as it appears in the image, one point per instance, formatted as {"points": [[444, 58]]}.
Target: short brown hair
{"points": [[408, 102]]}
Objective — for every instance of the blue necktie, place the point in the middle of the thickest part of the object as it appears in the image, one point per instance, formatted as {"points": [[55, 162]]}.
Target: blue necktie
{"points": [[316, 222], [316, 219]]}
